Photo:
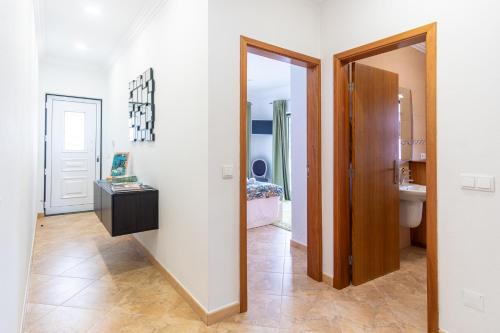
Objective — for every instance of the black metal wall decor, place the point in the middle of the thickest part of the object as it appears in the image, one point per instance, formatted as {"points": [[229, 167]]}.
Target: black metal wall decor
{"points": [[141, 107]]}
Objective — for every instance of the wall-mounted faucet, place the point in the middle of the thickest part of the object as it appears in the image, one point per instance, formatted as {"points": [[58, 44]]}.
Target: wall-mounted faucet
{"points": [[404, 176]]}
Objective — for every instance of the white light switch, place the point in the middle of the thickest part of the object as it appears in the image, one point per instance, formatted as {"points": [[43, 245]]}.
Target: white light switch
{"points": [[485, 183], [227, 171], [478, 183], [473, 300], [468, 181]]}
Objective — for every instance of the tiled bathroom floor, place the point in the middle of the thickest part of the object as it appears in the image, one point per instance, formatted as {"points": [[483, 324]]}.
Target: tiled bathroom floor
{"points": [[82, 280]]}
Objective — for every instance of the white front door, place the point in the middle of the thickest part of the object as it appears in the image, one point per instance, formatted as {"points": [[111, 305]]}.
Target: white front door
{"points": [[72, 153]]}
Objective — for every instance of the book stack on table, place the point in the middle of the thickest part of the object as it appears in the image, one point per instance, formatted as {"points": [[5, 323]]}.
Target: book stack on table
{"points": [[125, 187]]}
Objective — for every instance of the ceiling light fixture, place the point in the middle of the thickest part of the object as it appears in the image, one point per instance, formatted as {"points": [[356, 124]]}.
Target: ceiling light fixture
{"points": [[80, 46], [93, 10]]}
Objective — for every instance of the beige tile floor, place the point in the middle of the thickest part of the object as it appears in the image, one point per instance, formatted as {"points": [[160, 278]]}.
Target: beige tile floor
{"points": [[283, 298], [83, 280]]}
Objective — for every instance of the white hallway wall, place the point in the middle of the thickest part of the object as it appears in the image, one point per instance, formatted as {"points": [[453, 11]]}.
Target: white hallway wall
{"points": [[468, 136], [19, 92], [71, 80], [293, 24], [174, 44]]}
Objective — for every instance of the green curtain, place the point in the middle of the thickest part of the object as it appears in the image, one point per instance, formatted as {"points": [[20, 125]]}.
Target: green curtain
{"points": [[281, 145], [249, 137]]}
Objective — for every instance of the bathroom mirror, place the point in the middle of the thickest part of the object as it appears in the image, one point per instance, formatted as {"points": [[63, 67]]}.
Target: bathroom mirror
{"points": [[405, 124]]}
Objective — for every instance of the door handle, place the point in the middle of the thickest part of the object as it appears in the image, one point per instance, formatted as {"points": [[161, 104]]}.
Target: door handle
{"points": [[98, 158]]}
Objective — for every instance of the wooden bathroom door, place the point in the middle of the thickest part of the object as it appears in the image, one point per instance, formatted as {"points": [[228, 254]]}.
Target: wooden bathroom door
{"points": [[375, 188]]}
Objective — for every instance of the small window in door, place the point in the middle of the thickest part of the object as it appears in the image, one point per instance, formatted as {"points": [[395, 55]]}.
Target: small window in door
{"points": [[74, 131]]}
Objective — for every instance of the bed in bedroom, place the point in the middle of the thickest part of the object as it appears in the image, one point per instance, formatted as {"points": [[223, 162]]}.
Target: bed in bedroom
{"points": [[263, 203]]}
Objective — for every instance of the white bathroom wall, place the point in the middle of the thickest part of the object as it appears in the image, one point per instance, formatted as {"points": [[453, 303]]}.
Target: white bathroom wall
{"points": [[18, 147], [298, 108], [262, 109], [293, 24], [65, 79], [467, 136], [174, 44]]}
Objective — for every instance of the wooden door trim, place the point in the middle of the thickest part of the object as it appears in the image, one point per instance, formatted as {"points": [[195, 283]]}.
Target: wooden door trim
{"points": [[341, 241], [314, 226]]}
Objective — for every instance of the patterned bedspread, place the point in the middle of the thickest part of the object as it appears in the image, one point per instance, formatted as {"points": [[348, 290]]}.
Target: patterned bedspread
{"points": [[260, 190]]}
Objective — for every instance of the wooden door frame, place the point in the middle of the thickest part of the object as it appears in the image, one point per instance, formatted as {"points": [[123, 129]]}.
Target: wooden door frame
{"points": [[341, 235], [314, 226]]}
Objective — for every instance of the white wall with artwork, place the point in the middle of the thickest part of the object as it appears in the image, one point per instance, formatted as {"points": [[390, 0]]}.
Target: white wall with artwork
{"points": [[174, 45]]}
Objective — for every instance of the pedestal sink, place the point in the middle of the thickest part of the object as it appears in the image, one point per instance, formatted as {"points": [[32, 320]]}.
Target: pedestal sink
{"points": [[411, 202]]}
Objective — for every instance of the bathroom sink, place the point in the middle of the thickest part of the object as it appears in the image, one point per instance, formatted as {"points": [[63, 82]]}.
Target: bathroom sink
{"points": [[412, 192], [411, 202]]}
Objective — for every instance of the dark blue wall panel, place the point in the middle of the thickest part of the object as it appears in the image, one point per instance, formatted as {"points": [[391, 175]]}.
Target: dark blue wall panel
{"points": [[262, 127]]}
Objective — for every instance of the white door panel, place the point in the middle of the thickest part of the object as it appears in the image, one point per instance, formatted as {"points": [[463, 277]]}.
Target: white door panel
{"points": [[75, 164], [73, 150], [74, 187]]}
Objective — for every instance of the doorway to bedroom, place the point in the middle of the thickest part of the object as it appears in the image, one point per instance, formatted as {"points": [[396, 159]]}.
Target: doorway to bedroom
{"points": [[277, 146], [280, 196]]}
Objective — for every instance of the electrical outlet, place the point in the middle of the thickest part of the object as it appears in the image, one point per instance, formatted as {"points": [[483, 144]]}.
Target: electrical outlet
{"points": [[473, 300]]}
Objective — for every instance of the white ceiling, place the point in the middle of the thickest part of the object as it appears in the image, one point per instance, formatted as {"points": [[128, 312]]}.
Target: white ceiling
{"points": [[90, 32], [264, 74]]}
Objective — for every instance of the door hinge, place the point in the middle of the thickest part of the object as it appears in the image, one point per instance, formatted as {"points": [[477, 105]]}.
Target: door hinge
{"points": [[45, 172], [350, 86], [350, 259], [45, 137], [351, 171]]}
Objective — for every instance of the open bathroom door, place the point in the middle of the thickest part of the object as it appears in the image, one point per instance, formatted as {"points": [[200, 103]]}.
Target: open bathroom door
{"points": [[375, 188]]}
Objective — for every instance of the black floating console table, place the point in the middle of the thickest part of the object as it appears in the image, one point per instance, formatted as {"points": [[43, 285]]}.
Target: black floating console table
{"points": [[127, 212]]}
